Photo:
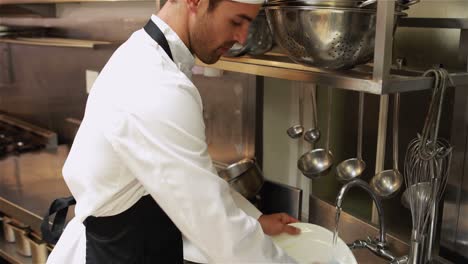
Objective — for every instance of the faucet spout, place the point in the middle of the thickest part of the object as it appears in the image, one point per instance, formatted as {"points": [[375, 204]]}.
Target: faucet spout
{"points": [[362, 184]]}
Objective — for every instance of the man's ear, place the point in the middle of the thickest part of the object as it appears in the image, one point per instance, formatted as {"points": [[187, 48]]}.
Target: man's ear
{"points": [[193, 5]]}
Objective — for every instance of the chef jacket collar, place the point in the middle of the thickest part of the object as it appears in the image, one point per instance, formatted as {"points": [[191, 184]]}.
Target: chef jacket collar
{"points": [[183, 58]]}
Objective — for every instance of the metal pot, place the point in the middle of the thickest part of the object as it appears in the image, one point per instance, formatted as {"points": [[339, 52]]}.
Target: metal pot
{"points": [[259, 39], [245, 177]]}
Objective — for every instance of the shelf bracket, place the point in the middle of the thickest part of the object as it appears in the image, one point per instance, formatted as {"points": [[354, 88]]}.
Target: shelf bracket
{"points": [[382, 63], [383, 40]]}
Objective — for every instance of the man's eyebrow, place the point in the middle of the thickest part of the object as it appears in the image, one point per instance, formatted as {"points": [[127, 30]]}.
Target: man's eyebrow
{"points": [[246, 17]]}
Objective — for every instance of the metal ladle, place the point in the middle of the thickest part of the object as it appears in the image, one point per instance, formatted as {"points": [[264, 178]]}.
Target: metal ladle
{"points": [[296, 131], [318, 162], [313, 134], [388, 182], [352, 168]]}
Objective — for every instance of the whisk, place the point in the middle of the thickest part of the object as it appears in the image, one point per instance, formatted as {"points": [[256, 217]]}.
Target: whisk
{"points": [[427, 161]]}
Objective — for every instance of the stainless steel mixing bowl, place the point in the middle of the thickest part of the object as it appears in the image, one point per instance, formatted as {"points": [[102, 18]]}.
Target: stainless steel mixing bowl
{"points": [[367, 4], [324, 37], [323, 3]]}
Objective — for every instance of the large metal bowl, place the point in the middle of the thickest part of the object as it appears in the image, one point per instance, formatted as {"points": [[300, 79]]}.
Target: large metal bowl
{"points": [[369, 4], [324, 37], [322, 3]]}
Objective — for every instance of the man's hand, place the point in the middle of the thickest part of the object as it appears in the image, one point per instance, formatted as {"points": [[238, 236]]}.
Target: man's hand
{"points": [[275, 224]]}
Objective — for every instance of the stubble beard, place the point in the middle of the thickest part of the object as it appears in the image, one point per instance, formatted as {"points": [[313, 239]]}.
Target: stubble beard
{"points": [[203, 53], [200, 42]]}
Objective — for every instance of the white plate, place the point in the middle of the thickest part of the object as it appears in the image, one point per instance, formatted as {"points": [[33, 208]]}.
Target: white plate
{"points": [[314, 246]]}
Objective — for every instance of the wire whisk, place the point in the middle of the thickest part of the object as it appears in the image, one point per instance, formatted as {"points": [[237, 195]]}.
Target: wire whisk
{"points": [[427, 163]]}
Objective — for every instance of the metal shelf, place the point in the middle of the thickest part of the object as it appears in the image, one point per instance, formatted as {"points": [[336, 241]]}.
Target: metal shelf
{"points": [[17, 212], [56, 42], [358, 79], [380, 79], [425, 22]]}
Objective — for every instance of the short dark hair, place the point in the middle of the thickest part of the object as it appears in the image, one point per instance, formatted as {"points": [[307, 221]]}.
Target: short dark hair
{"points": [[212, 4]]}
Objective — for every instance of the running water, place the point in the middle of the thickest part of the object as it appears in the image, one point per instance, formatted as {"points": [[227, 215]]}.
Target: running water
{"points": [[337, 221], [335, 234]]}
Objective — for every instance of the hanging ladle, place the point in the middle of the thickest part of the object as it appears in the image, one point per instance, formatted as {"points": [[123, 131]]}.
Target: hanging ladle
{"points": [[318, 162], [296, 131], [388, 182], [313, 134], [352, 168]]}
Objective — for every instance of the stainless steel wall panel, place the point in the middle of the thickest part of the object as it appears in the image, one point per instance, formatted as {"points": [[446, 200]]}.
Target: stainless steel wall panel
{"points": [[423, 47], [50, 84], [454, 191], [229, 113]]}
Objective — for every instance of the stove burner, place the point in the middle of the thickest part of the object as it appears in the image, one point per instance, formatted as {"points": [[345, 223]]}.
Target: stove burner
{"points": [[16, 140]]}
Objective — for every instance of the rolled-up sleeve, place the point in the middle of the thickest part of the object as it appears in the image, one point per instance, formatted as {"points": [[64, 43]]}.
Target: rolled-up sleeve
{"points": [[164, 148]]}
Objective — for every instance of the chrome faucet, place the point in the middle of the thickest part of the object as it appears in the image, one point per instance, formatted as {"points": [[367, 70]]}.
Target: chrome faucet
{"points": [[377, 246]]}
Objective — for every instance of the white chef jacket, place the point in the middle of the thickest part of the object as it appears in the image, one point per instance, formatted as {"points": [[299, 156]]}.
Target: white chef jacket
{"points": [[143, 133]]}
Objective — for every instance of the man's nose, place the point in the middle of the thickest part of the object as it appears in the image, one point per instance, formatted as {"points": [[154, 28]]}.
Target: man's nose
{"points": [[241, 35]]}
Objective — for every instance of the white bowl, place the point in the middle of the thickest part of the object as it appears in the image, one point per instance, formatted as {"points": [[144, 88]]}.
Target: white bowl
{"points": [[314, 245]]}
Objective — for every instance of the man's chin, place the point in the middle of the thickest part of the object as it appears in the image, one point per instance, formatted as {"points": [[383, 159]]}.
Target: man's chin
{"points": [[210, 59]]}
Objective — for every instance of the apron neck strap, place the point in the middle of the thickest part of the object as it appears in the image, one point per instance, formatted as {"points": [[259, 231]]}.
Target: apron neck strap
{"points": [[156, 34]]}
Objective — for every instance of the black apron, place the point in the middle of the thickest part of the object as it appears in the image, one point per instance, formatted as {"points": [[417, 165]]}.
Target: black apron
{"points": [[141, 234]]}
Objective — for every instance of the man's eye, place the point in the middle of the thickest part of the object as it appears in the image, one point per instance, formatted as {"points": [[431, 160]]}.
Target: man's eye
{"points": [[236, 23]]}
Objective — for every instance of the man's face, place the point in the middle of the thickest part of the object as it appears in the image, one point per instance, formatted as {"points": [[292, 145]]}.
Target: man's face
{"points": [[213, 32]]}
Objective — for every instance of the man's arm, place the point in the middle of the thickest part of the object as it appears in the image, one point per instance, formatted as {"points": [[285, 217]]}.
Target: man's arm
{"points": [[165, 149]]}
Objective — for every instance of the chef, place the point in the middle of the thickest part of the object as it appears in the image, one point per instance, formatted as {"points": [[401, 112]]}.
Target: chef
{"points": [[145, 187]]}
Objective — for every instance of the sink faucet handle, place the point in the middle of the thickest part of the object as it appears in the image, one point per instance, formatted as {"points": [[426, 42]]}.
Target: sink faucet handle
{"points": [[357, 244], [378, 248], [376, 241], [400, 260]]}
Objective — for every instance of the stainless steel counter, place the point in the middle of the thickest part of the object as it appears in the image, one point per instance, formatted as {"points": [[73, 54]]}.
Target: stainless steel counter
{"points": [[30, 182]]}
